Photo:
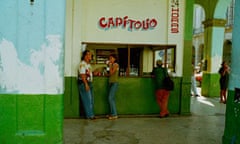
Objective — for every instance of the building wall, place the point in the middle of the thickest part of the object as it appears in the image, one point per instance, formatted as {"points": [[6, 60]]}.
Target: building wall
{"points": [[83, 27], [198, 35], [31, 71]]}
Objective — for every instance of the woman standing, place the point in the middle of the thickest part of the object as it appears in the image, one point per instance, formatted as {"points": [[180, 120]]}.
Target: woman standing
{"points": [[224, 78], [85, 77], [113, 85]]}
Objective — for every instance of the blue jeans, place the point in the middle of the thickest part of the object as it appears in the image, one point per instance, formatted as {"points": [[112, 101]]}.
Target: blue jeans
{"points": [[87, 99], [194, 86], [111, 98]]}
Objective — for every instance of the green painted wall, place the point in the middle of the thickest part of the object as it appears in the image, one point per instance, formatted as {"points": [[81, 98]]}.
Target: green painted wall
{"points": [[31, 119], [187, 59], [210, 85], [71, 98], [135, 96], [232, 123], [186, 80]]}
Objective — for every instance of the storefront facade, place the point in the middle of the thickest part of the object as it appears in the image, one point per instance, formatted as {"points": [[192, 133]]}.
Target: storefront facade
{"points": [[139, 32]]}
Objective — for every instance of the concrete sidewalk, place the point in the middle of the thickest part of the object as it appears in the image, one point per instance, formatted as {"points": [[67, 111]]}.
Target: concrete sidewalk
{"points": [[204, 126]]}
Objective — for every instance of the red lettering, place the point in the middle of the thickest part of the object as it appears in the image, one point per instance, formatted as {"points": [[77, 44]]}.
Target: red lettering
{"points": [[153, 23], [138, 25], [175, 17], [174, 30], [174, 25], [175, 10], [110, 22], [145, 25], [101, 22], [125, 21], [118, 21], [131, 23]]}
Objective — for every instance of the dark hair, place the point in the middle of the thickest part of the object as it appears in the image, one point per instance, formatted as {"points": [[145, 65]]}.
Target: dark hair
{"points": [[114, 56], [224, 62], [84, 54]]}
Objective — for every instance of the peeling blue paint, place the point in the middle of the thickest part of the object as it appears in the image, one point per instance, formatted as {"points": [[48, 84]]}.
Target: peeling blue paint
{"points": [[31, 47]]}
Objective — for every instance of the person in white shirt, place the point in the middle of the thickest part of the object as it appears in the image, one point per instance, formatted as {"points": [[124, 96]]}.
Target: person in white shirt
{"points": [[85, 77]]}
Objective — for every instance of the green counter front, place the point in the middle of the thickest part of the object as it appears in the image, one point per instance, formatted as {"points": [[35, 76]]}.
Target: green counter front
{"points": [[135, 96]]}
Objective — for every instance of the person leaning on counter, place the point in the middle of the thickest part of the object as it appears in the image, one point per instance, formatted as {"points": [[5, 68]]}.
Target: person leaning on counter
{"points": [[85, 78]]}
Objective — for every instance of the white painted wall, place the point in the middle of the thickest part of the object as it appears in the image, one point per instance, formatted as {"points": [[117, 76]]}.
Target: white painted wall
{"points": [[82, 26], [31, 47]]}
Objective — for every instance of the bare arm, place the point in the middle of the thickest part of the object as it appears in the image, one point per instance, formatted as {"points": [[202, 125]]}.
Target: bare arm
{"points": [[84, 79], [113, 68]]}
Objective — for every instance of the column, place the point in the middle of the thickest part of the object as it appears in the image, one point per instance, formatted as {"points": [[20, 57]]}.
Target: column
{"points": [[232, 119], [213, 50]]}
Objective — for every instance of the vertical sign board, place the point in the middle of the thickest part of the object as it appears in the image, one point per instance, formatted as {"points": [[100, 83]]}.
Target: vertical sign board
{"points": [[31, 71]]}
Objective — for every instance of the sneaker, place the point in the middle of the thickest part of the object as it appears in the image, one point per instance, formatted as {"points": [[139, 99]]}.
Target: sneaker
{"points": [[112, 117], [164, 116], [92, 118]]}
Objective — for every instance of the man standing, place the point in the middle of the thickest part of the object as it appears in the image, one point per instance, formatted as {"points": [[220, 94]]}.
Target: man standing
{"points": [[85, 77], [162, 95]]}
